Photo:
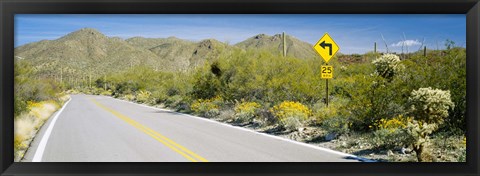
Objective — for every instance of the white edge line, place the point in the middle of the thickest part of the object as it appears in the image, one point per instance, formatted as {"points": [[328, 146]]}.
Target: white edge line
{"points": [[43, 143], [252, 131]]}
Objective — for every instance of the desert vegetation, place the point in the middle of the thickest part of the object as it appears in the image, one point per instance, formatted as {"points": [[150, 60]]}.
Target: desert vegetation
{"points": [[398, 105], [36, 99], [381, 106]]}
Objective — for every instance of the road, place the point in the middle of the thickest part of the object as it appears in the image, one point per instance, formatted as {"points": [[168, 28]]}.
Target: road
{"points": [[103, 129]]}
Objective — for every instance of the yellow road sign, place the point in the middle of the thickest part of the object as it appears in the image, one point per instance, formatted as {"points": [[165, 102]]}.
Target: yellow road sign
{"points": [[326, 72], [326, 47]]}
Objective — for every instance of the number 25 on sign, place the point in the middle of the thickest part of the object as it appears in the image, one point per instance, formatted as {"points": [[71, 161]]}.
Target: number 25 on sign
{"points": [[326, 72]]}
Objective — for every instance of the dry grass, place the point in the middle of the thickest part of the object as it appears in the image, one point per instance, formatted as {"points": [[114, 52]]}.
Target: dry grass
{"points": [[26, 125]]}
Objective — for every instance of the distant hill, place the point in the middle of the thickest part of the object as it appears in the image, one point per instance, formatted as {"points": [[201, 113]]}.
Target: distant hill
{"points": [[89, 52], [295, 47], [82, 53]]}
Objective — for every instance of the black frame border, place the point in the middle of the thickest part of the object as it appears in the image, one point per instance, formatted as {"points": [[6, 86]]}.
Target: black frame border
{"points": [[8, 8]]}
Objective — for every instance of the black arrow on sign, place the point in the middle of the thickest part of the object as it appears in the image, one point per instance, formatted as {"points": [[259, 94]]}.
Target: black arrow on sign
{"points": [[323, 44]]}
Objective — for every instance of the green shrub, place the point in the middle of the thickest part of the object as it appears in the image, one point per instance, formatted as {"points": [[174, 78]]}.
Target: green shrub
{"points": [[19, 106], [129, 97], [98, 91], [337, 125], [391, 133], [336, 107], [106, 93], [27, 87], [389, 138], [159, 96], [143, 96], [206, 84], [173, 101], [333, 118]]}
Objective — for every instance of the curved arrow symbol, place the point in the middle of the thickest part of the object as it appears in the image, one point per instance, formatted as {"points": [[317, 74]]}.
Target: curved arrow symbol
{"points": [[323, 44]]}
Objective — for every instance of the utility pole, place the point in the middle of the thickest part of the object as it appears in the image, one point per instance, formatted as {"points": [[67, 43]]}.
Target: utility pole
{"points": [[375, 48], [284, 45]]}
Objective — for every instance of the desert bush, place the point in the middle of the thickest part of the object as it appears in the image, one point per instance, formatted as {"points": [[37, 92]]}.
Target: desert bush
{"points": [[27, 87], [106, 93], [333, 118], [389, 138], [226, 114], [206, 84], [391, 133], [19, 106], [129, 97], [336, 107], [175, 102], [97, 90], [207, 107], [143, 96], [338, 125], [72, 91], [159, 96], [463, 150], [246, 111], [290, 114]]}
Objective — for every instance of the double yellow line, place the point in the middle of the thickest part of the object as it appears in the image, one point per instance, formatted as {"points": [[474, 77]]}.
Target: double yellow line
{"points": [[157, 136]]}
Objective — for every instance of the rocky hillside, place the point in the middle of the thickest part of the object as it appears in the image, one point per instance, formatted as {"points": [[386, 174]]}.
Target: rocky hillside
{"points": [[295, 47], [88, 52]]}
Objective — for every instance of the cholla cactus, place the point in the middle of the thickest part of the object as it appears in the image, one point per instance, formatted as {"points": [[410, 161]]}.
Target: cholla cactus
{"points": [[418, 133], [430, 105], [387, 65]]}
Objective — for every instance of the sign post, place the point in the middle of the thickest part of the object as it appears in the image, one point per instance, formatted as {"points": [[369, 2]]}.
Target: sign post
{"points": [[326, 48]]}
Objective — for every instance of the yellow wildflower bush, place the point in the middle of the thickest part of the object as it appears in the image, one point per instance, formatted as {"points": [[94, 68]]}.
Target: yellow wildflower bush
{"points": [[43, 110], [207, 107], [391, 133], [27, 123], [246, 111], [393, 123], [291, 114]]}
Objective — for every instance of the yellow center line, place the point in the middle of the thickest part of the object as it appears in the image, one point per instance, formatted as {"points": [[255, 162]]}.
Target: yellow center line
{"points": [[157, 136]]}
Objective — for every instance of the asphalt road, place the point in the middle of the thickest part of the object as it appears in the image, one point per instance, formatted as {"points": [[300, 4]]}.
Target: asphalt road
{"points": [[103, 129]]}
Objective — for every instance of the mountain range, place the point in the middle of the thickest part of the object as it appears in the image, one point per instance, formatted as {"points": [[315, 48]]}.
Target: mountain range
{"points": [[88, 51]]}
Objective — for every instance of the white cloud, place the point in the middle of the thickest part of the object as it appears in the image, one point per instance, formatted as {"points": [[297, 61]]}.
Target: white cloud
{"points": [[406, 43]]}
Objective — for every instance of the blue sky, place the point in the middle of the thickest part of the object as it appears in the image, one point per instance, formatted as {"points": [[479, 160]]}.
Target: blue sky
{"points": [[353, 33]]}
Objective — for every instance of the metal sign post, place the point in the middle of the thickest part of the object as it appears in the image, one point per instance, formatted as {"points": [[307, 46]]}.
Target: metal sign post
{"points": [[326, 48]]}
